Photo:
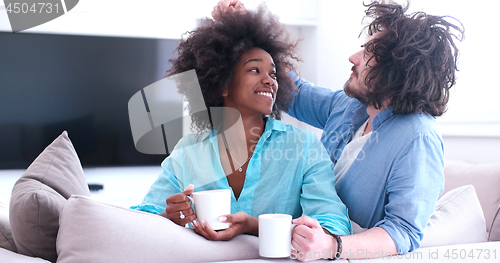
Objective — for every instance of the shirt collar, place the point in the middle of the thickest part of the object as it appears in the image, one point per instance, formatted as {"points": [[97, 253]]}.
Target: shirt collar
{"points": [[274, 125], [206, 135], [382, 117], [271, 125], [360, 115]]}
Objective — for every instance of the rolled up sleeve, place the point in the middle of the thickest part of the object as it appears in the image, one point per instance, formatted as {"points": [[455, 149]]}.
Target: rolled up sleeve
{"points": [[319, 199], [414, 185], [165, 185]]}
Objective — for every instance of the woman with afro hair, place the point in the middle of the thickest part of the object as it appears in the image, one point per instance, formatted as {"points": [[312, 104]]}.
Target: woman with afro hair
{"points": [[240, 144]]}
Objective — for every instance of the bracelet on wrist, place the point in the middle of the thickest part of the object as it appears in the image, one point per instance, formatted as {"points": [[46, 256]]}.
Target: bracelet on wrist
{"points": [[338, 254]]}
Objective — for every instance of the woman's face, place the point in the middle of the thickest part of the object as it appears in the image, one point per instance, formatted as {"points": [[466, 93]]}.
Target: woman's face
{"points": [[254, 86]]}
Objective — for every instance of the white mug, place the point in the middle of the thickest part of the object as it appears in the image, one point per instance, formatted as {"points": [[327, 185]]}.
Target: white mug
{"points": [[275, 235], [210, 205]]}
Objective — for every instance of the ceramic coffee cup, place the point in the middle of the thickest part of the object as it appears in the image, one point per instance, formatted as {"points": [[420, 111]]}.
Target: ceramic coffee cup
{"points": [[275, 235], [210, 205]]}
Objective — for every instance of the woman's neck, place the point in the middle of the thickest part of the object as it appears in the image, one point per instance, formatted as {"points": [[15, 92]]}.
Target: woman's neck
{"points": [[245, 130], [237, 140]]}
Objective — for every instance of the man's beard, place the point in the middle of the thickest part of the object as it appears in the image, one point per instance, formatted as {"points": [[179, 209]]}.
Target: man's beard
{"points": [[357, 94]]}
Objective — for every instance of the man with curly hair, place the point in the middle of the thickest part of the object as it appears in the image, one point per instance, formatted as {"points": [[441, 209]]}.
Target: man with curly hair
{"points": [[269, 167], [380, 131]]}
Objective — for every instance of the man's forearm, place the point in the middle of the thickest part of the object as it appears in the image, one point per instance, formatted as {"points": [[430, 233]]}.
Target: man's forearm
{"points": [[375, 242]]}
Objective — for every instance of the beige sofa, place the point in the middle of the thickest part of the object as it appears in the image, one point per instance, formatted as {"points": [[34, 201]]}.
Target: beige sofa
{"points": [[51, 217]]}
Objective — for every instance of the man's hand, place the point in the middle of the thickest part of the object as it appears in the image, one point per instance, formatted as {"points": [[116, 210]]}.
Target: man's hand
{"points": [[309, 237], [179, 209], [227, 6], [241, 223]]}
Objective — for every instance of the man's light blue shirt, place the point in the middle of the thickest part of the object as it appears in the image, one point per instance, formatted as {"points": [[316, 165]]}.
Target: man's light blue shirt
{"points": [[290, 172], [397, 177]]}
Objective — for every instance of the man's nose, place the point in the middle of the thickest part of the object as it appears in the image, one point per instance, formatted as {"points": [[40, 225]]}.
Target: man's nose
{"points": [[356, 57]]}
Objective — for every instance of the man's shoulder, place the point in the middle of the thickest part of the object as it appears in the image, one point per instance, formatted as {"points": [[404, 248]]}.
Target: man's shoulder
{"points": [[422, 121], [418, 124]]}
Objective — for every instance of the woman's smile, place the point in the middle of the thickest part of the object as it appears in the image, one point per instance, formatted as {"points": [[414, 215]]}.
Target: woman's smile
{"points": [[266, 94]]}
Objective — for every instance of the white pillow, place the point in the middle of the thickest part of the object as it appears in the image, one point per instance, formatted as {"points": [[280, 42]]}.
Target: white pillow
{"points": [[457, 219], [91, 231]]}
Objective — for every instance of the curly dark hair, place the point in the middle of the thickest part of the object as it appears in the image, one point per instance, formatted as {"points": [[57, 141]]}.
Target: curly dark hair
{"points": [[214, 48], [416, 59]]}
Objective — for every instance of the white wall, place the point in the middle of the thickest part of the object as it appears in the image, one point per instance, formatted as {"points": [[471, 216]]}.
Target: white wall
{"points": [[474, 149]]}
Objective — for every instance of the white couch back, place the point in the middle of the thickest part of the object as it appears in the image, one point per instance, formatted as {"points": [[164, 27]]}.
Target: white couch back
{"points": [[485, 177]]}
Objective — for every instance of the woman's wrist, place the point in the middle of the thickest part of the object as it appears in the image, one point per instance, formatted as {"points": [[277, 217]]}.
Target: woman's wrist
{"points": [[164, 214], [252, 226]]}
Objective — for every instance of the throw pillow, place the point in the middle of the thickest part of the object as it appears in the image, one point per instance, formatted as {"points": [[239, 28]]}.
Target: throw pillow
{"points": [[6, 240], [457, 219], [38, 196], [91, 231], [495, 227]]}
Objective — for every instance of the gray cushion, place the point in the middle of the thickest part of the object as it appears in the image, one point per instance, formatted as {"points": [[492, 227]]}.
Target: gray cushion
{"points": [[38, 196], [91, 231], [495, 227]]}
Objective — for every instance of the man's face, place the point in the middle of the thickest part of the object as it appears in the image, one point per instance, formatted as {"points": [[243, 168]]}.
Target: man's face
{"points": [[356, 86]]}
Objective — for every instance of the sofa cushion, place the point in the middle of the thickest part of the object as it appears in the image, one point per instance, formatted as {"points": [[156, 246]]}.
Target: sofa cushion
{"points": [[495, 227], [6, 240], [457, 219], [8, 256], [91, 231], [485, 177], [38, 196], [465, 253]]}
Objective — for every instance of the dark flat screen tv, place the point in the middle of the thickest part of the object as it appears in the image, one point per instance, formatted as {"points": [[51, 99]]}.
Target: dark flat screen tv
{"points": [[81, 84]]}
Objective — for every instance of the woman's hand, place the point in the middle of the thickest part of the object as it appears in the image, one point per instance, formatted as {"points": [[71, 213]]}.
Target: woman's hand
{"points": [[178, 207], [241, 223], [226, 6]]}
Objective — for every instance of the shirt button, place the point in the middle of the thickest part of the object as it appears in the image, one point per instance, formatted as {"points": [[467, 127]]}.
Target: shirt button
{"points": [[335, 160]]}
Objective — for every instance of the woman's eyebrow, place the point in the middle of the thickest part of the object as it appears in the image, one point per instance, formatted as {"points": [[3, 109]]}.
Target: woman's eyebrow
{"points": [[259, 60], [253, 59]]}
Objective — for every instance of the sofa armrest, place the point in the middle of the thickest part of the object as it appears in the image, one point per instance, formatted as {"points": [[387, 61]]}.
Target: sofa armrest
{"points": [[92, 231]]}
